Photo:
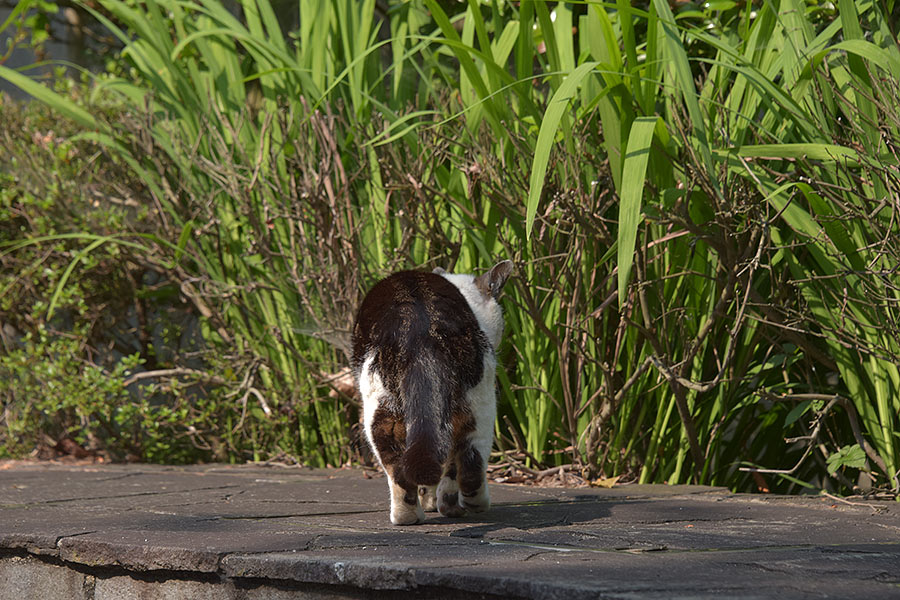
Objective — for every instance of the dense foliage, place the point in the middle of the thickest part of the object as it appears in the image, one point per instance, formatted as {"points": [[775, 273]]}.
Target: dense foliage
{"points": [[701, 203]]}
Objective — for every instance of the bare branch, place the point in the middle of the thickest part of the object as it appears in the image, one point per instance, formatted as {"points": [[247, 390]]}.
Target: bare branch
{"points": [[180, 372]]}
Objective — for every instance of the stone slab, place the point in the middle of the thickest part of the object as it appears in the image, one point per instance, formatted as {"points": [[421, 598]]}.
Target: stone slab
{"points": [[251, 531]]}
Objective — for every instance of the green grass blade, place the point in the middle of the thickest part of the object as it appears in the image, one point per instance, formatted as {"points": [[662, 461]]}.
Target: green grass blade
{"points": [[21, 7], [823, 152], [57, 102], [559, 103], [867, 50], [615, 111], [464, 57], [71, 267], [637, 156], [525, 41], [684, 80]]}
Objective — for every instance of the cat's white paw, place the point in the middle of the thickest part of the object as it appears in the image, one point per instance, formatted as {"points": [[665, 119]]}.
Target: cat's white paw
{"points": [[476, 507], [478, 503], [407, 515]]}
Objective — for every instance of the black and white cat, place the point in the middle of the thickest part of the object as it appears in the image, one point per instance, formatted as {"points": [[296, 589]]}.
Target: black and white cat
{"points": [[423, 357]]}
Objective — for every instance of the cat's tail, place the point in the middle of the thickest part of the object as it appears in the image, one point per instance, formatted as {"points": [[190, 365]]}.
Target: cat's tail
{"points": [[426, 406]]}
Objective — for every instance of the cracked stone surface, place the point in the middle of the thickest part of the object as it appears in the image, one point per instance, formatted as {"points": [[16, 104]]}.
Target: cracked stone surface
{"points": [[249, 531]]}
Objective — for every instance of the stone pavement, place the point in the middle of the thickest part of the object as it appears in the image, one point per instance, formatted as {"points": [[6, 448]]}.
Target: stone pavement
{"points": [[251, 532]]}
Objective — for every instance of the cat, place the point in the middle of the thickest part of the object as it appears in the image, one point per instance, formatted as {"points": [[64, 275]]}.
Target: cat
{"points": [[424, 360]]}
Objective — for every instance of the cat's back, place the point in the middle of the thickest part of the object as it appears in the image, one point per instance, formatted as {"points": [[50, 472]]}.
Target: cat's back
{"points": [[416, 311]]}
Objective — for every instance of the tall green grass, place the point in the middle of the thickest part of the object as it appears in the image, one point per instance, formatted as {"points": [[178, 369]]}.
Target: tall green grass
{"points": [[700, 205]]}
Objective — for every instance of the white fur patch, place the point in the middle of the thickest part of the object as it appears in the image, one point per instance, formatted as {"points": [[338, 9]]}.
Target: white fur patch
{"points": [[372, 390], [483, 404], [487, 310]]}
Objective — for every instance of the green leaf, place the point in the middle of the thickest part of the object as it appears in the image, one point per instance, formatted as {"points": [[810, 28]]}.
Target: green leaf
{"points": [[614, 109], [57, 102], [547, 136], [21, 7], [823, 152], [797, 412], [68, 271], [848, 456], [183, 240], [393, 131], [869, 51], [463, 55], [637, 155], [684, 79], [796, 481]]}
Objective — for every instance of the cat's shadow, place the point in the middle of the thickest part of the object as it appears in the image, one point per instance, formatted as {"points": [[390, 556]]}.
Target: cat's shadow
{"points": [[526, 516]]}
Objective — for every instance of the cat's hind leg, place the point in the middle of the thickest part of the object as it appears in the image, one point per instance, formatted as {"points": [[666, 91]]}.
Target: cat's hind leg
{"points": [[387, 435], [473, 490], [405, 508], [473, 450], [463, 487], [386, 432]]}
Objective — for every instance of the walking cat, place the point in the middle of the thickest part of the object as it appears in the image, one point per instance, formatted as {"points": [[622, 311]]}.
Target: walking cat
{"points": [[423, 357]]}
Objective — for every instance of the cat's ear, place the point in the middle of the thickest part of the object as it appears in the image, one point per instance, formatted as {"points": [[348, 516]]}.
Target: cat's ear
{"points": [[492, 281], [439, 271]]}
